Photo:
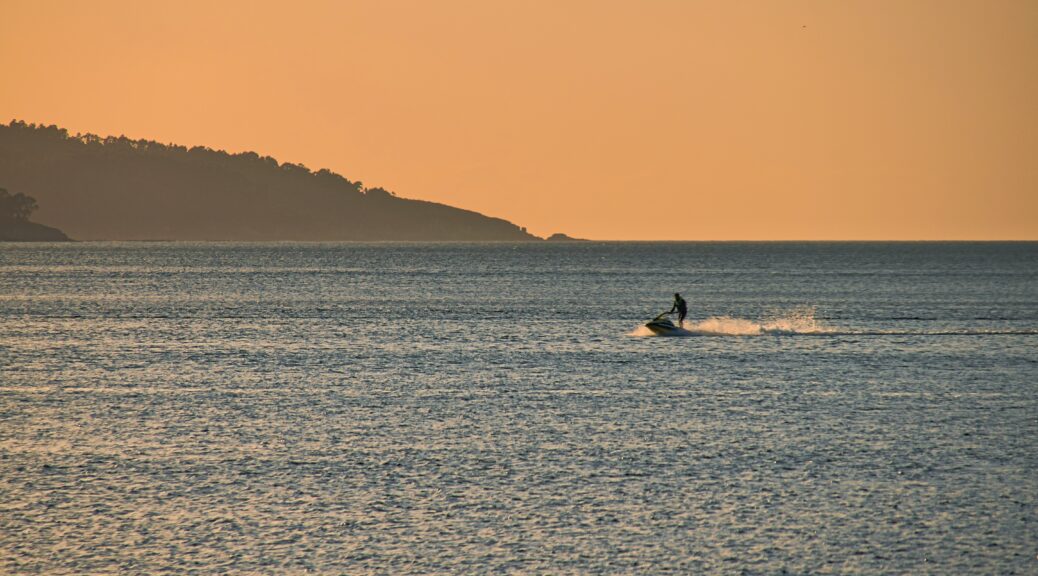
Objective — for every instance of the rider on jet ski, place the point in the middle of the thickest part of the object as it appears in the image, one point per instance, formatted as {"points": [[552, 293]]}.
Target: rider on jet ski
{"points": [[681, 307]]}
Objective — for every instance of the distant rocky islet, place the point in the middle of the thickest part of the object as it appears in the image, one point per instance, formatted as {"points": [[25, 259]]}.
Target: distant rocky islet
{"points": [[15, 225]]}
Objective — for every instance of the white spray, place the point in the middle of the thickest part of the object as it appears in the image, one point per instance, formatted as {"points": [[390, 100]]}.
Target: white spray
{"points": [[799, 320]]}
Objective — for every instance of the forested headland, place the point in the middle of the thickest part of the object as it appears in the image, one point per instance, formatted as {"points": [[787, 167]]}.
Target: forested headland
{"points": [[116, 188]]}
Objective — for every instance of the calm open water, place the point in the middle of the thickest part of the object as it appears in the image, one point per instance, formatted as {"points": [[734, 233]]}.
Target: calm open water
{"points": [[493, 408]]}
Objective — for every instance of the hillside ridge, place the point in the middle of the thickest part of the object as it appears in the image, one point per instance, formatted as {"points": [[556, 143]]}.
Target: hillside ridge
{"points": [[116, 188]]}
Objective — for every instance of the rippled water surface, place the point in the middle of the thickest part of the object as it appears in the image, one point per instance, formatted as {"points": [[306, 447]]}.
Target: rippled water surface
{"points": [[457, 408]]}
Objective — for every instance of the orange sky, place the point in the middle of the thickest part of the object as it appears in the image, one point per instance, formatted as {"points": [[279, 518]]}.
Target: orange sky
{"points": [[634, 119]]}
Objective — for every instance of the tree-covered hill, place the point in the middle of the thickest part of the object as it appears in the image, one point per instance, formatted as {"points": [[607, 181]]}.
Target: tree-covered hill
{"points": [[112, 188]]}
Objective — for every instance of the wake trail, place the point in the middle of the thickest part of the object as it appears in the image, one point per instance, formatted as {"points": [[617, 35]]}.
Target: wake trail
{"points": [[802, 322], [797, 321]]}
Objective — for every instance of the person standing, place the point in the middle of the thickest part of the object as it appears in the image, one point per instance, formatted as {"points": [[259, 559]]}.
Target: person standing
{"points": [[681, 307]]}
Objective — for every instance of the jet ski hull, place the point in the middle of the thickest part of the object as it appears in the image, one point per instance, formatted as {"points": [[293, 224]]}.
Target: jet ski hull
{"points": [[663, 328]]}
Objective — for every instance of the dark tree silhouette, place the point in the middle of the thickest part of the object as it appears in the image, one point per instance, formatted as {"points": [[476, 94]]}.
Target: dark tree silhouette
{"points": [[16, 206], [15, 210], [378, 192]]}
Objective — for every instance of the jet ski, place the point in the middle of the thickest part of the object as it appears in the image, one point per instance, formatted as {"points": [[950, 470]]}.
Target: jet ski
{"points": [[662, 326]]}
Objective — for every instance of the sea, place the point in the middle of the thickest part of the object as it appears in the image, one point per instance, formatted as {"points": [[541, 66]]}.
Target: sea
{"points": [[498, 408]]}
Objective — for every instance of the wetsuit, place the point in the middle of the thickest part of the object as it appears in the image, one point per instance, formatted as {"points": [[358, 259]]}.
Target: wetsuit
{"points": [[681, 307]]}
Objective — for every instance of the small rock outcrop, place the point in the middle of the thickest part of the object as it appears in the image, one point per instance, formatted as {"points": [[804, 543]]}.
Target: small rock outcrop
{"points": [[15, 226], [560, 237], [26, 231]]}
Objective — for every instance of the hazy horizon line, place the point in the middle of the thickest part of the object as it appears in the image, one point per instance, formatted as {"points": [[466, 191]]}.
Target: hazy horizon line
{"points": [[552, 242]]}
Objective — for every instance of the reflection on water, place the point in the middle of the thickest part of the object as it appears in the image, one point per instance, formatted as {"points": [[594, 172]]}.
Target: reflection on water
{"points": [[483, 408]]}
